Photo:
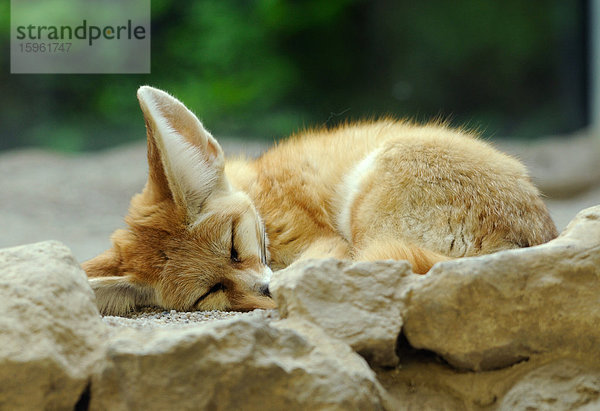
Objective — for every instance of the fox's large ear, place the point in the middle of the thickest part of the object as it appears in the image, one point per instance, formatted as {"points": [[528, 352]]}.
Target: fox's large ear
{"points": [[120, 294], [186, 163]]}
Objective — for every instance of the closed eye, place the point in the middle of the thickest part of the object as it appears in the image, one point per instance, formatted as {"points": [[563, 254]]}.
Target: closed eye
{"points": [[264, 247], [233, 254], [214, 289]]}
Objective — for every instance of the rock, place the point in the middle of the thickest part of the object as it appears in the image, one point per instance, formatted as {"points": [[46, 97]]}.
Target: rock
{"points": [[492, 311], [560, 167], [358, 303], [233, 364], [51, 334], [561, 385], [482, 313]]}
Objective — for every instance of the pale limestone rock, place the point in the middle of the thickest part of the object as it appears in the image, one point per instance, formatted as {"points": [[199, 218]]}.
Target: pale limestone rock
{"points": [[492, 311], [358, 303], [561, 385], [51, 334], [233, 364], [478, 313]]}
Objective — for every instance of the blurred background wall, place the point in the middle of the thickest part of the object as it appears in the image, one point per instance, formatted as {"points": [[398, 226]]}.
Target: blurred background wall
{"points": [[265, 68]]}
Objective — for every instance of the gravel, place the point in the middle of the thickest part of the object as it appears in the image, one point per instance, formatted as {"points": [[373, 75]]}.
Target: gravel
{"points": [[149, 318]]}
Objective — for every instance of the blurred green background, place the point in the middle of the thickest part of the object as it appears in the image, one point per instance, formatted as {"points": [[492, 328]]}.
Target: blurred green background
{"points": [[265, 68]]}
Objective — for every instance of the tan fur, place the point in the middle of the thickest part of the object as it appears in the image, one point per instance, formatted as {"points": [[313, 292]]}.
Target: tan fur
{"points": [[367, 191], [421, 259]]}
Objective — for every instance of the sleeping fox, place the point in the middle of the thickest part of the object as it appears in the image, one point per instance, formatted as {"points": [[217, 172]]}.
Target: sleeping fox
{"points": [[205, 233]]}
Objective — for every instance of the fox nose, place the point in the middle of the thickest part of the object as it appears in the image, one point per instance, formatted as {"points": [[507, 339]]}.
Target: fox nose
{"points": [[264, 290]]}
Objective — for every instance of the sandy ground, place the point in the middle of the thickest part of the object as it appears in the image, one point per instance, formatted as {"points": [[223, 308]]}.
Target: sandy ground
{"points": [[80, 200]]}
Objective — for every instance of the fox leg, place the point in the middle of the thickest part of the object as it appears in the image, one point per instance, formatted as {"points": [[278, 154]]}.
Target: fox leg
{"points": [[381, 218], [335, 247], [420, 258]]}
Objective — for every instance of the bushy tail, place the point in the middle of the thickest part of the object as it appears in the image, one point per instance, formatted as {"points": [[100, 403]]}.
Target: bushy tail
{"points": [[420, 258]]}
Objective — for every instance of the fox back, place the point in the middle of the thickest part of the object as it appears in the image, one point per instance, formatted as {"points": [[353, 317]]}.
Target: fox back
{"points": [[205, 233]]}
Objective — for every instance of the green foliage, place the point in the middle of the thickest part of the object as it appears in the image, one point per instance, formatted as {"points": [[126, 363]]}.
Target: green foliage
{"points": [[265, 68]]}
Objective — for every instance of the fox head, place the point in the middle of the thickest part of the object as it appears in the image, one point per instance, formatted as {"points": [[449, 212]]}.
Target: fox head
{"points": [[193, 242]]}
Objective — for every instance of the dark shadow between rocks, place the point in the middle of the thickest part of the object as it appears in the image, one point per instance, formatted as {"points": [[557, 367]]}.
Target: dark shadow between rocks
{"points": [[498, 360], [407, 352]]}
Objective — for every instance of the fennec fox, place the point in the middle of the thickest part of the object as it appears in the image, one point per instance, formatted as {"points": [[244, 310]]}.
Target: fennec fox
{"points": [[205, 233]]}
